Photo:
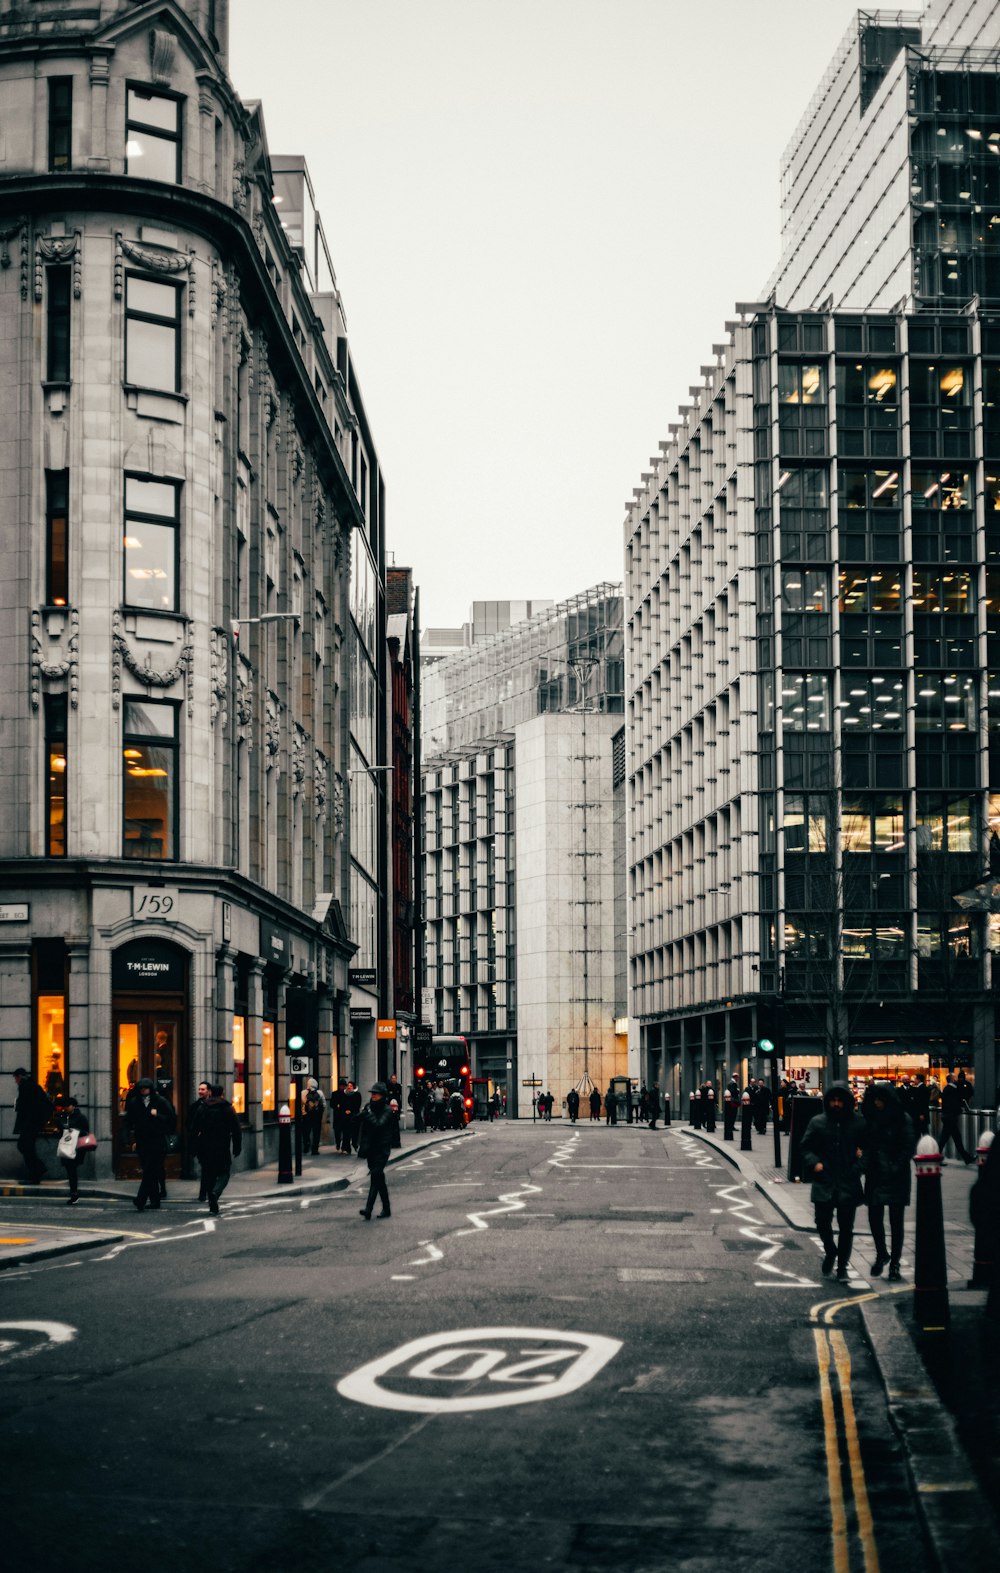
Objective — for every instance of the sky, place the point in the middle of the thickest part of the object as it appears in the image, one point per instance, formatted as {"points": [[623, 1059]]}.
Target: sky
{"points": [[541, 215]]}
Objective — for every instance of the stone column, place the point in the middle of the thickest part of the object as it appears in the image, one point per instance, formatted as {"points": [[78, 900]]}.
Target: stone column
{"points": [[99, 71]]}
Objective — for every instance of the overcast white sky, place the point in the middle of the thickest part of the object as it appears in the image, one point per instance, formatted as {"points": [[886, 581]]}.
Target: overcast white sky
{"points": [[541, 214]]}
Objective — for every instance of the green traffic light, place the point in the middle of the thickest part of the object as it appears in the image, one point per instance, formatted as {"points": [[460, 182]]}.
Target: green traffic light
{"points": [[765, 1046], [297, 1042]]}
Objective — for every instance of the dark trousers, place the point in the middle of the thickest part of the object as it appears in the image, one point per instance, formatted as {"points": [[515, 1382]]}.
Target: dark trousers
{"points": [[32, 1162], [72, 1167], [311, 1128], [876, 1223], [949, 1132], [377, 1187], [152, 1169], [841, 1248], [215, 1180], [338, 1130]]}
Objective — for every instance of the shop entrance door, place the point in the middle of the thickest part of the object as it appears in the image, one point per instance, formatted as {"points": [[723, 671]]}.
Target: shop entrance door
{"points": [[148, 1042]]}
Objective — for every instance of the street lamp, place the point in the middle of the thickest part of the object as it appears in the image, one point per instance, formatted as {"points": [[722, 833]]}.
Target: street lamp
{"points": [[265, 617]]}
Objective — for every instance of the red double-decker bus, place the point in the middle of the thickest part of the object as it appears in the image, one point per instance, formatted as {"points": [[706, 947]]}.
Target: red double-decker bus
{"points": [[447, 1061]]}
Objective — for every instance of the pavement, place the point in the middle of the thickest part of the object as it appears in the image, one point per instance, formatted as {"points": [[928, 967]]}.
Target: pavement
{"points": [[943, 1389], [328, 1171]]}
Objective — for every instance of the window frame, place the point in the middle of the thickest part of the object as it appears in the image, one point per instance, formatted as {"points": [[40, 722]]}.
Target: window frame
{"points": [[140, 516], [56, 513], [157, 132], [162, 741], [60, 125], [135, 314], [56, 718], [58, 323]]}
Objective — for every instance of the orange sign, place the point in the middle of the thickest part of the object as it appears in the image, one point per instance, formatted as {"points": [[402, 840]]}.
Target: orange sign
{"points": [[385, 1029]]}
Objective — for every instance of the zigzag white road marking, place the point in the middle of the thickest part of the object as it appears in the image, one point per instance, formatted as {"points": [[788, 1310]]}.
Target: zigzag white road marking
{"points": [[511, 1204], [435, 1254], [740, 1203]]}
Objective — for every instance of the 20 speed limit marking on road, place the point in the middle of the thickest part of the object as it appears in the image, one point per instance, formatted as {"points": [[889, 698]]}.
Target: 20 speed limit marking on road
{"points": [[494, 1366]]}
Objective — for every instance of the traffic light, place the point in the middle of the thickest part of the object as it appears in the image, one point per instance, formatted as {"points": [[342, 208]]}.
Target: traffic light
{"points": [[770, 1024]]}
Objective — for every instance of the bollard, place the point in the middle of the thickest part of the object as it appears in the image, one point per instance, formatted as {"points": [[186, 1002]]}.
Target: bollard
{"points": [[982, 1251], [728, 1116], [710, 1109], [746, 1139], [930, 1268], [696, 1109], [666, 1108], [285, 1175]]}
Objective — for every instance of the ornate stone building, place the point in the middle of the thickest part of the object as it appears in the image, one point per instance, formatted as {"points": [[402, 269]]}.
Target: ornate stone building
{"points": [[189, 490]]}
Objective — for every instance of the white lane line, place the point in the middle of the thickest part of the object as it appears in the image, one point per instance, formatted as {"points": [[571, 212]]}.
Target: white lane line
{"points": [[510, 1202], [435, 1254]]}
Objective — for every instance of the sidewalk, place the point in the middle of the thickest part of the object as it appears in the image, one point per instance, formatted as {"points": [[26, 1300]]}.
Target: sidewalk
{"points": [[329, 1171], [943, 1390]]}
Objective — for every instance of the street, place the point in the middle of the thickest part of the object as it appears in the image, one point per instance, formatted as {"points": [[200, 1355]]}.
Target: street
{"points": [[616, 1363]]}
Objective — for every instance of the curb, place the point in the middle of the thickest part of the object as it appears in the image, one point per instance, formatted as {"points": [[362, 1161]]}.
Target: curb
{"points": [[14, 1188], [955, 1515], [39, 1253]]}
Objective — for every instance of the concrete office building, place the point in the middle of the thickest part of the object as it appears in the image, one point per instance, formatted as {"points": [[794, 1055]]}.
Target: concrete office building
{"points": [[192, 610], [519, 815], [813, 604]]}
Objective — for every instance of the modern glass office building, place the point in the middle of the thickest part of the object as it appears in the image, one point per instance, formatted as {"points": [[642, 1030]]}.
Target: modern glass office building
{"points": [[813, 605]]}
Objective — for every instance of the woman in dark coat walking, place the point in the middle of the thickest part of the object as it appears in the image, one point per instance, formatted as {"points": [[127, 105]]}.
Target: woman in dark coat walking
{"points": [[889, 1145], [71, 1117], [832, 1149], [375, 1145]]}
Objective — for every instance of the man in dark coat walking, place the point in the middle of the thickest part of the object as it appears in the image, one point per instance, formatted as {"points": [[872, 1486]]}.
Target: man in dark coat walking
{"points": [[761, 1107], [375, 1145], [151, 1120], [193, 1116], [595, 1104], [352, 1111], [572, 1105], [951, 1107], [218, 1139], [33, 1109], [653, 1104], [832, 1149], [889, 1145]]}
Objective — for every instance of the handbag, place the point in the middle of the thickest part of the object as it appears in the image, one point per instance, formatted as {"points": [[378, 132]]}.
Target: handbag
{"points": [[87, 1143], [68, 1143]]}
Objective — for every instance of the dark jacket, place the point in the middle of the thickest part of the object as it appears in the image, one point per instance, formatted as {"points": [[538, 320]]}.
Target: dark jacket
{"points": [[218, 1130], [653, 1101], [951, 1101], [33, 1109], [573, 1101], [834, 1141], [889, 1144], [375, 1142], [73, 1120], [150, 1125]]}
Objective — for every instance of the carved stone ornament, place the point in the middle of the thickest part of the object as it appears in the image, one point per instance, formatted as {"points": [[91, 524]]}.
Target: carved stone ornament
{"points": [[68, 664], [57, 248], [298, 765], [337, 804], [8, 232], [144, 671], [244, 703], [162, 56], [219, 291], [155, 258], [320, 784], [219, 705], [272, 730]]}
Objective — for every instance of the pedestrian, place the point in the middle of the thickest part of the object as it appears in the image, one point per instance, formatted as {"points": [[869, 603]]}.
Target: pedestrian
{"points": [[595, 1104], [572, 1105], [496, 1105], [889, 1145], [832, 1150], [74, 1124], [352, 1114], [393, 1089], [984, 1215], [951, 1107], [708, 1105], [150, 1119], [440, 1105], [193, 1116], [920, 1105], [610, 1106], [313, 1106], [761, 1107], [549, 1100], [219, 1139], [456, 1110], [33, 1111], [375, 1145], [653, 1104]]}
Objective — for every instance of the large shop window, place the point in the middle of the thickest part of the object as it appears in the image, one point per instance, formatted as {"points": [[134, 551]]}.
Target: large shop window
{"points": [[55, 775], [152, 521], [150, 779], [240, 1064], [268, 1073], [49, 979], [153, 135], [152, 333]]}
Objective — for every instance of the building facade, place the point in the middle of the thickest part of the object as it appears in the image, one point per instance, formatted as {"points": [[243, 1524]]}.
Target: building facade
{"points": [[192, 517], [522, 927], [811, 583]]}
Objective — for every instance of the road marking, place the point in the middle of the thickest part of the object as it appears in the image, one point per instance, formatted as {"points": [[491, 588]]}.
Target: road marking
{"points": [[834, 1483], [477, 1356], [435, 1255], [21, 1240], [403, 1278], [511, 1202], [866, 1529], [55, 1332]]}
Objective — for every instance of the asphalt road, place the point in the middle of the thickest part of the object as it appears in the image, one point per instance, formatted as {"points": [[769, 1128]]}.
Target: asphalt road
{"points": [[617, 1363]]}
